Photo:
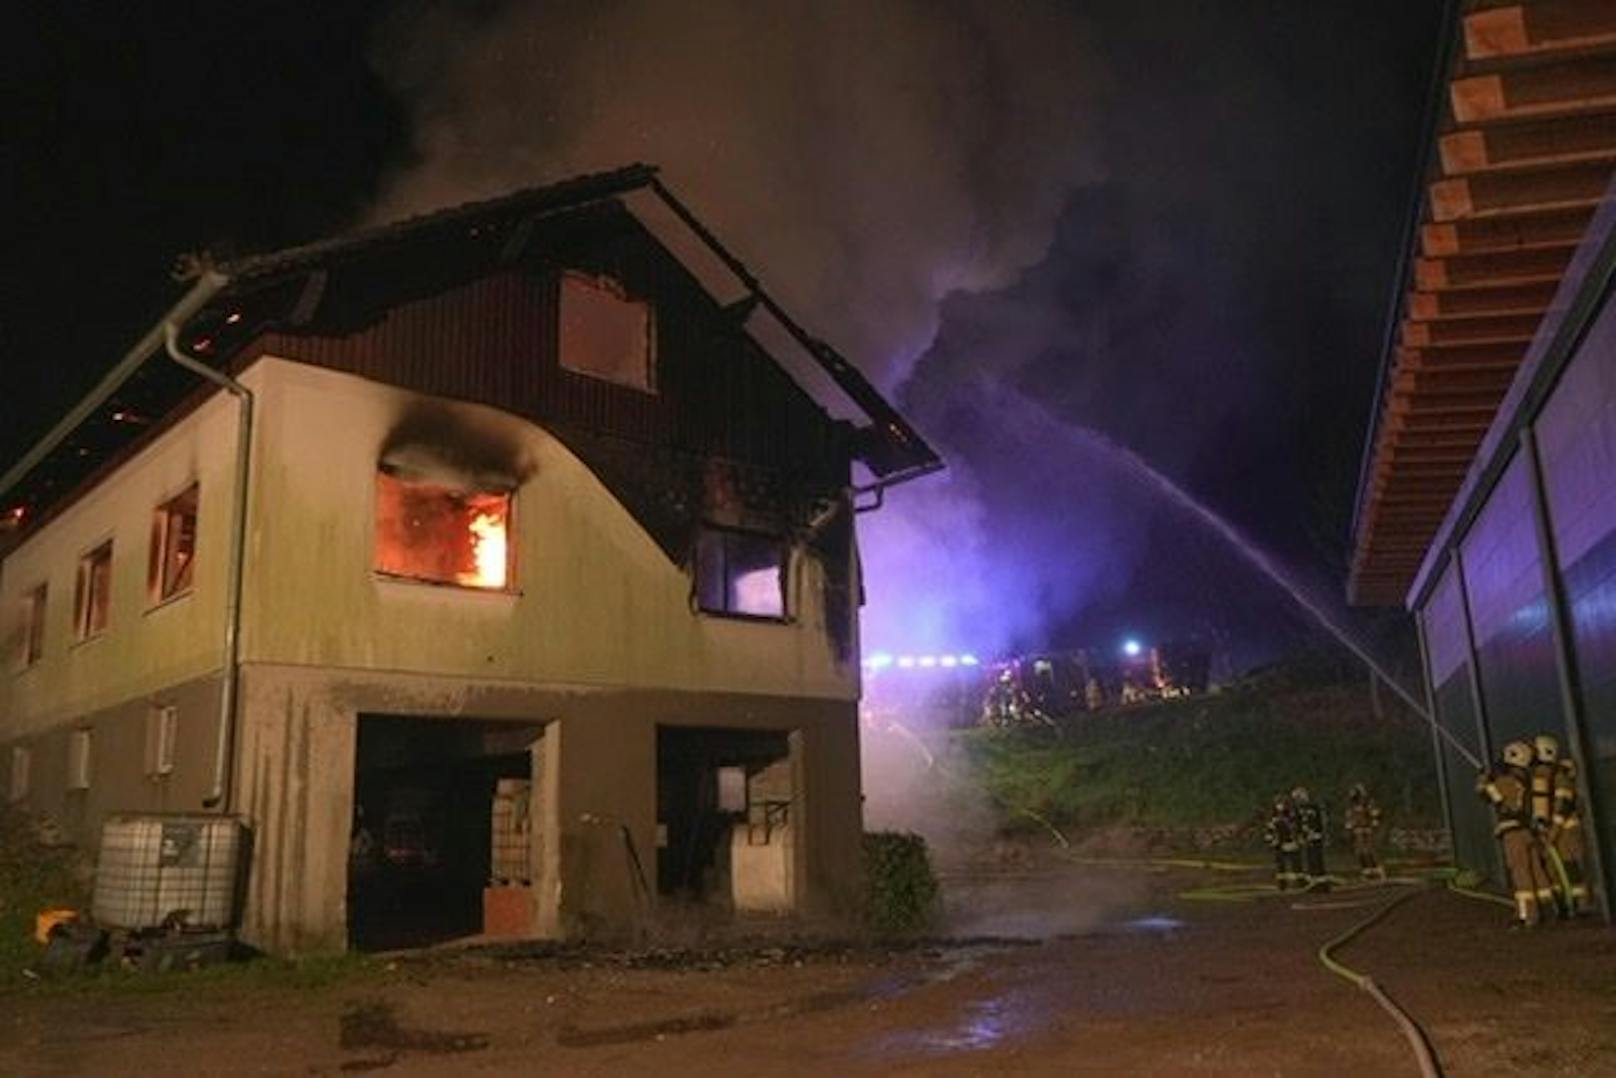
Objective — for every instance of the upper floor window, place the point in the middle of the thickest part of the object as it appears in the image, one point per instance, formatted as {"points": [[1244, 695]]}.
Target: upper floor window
{"points": [[740, 573], [33, 626], [169, 569], [92, 598], [434, 532], [605, 334]]}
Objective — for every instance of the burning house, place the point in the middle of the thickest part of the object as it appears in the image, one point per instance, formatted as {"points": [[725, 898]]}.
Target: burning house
{"points": [[1487, 504], [486, 565]]}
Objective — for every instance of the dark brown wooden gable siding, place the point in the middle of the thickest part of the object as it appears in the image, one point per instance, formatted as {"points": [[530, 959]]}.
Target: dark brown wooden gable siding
{"points": [[490, 337]]}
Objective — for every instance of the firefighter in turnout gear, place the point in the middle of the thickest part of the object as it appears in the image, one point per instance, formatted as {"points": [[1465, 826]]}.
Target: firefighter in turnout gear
{"points": [[1310, 824], [1282, 836], [1561, 824], [1507, 787], [1363, 828]]}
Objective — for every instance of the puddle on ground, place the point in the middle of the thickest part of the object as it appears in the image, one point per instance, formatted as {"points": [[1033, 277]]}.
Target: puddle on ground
{"points": [[373, 1028], [983, 1025]]}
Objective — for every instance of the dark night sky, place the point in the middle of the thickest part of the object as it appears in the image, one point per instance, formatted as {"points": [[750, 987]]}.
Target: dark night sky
{"points": [[1216, 300]]}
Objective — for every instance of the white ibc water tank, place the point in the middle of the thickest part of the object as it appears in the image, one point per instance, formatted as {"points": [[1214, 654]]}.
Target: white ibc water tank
{"points": [[155, 866]]}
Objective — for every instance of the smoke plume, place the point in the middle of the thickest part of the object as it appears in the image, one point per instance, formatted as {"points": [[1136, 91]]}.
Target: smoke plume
{"points": [[868, 160]]}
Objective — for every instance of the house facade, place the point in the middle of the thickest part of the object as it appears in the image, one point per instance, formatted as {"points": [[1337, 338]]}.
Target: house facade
{"points": [[543, 619]]}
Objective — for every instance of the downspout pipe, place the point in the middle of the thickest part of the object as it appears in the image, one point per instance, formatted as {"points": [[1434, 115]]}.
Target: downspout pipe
{"points": [[230, 686]]}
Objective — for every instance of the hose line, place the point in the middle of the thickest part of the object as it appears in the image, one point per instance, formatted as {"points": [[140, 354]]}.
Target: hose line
{"points": [[1424, 1055]]}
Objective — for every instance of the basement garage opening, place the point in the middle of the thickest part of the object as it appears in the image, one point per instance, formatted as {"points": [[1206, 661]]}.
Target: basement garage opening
{"points": [[727, 819], [442, 838]]}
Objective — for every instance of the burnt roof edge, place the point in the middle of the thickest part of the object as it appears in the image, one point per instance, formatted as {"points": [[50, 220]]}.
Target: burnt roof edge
{"points": [[207, 286]]}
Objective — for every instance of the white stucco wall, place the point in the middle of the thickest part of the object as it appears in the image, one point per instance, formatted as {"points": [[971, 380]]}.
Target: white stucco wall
{"points": [[145, 647], [594, 602]]}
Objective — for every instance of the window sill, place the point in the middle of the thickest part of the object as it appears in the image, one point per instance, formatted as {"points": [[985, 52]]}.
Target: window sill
{"points": [[756, 619], [86, 641], [442, 585], [161, 604]]}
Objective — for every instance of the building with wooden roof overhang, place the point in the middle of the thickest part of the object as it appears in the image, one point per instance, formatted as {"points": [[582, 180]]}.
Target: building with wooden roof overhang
{"points": [[496, 569], [1523, 148], [1487, 503]]}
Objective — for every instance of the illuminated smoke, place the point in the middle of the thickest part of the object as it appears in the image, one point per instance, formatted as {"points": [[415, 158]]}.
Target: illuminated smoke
{"points": [[867, 159]]}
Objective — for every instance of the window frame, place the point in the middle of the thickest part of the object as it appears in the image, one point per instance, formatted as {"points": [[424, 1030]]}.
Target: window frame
{"points": [[84, 592], [779, 541], [400, 475], [35, 606], [158, 585], [162, 738], [80, 766], [19, 780], [613, 286]]}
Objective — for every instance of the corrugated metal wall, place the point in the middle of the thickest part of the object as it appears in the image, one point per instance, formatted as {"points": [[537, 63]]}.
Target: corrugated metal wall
{"points": [[1449, 649], [1577, 443], [1511, 615]]}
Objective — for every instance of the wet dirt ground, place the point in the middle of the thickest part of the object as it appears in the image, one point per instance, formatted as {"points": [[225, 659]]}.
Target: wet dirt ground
{"points": [[1153, 985]]}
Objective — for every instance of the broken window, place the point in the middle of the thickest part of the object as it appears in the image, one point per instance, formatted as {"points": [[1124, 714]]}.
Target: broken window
{"points": [[434, 532], [33, 639], [740, 573], [93, 595], [78, 760], [173, 546], [605, 334], [162, 726]]}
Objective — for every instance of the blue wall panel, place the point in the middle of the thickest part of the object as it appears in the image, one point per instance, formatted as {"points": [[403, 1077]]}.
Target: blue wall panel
{"points": [[1576, 434]]}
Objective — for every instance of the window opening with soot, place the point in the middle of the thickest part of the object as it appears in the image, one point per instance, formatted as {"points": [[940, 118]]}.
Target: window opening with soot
{"points": [[605, 334], [740, 573], [171, 564], [442, 534]]}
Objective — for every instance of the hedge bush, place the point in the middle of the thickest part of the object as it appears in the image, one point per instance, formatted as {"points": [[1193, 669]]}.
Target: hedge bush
{"points": [[900, 889]]}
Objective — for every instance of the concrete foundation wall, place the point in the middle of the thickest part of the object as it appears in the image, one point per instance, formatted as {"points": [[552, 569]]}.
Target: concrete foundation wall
{"points": [[119, 781], [596, 773]]}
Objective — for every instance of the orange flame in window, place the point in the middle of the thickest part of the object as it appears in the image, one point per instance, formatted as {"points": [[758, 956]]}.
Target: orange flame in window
{"points": [[489, 551]]}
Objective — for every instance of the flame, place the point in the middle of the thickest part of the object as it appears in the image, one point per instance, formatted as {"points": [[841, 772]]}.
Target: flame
{"points": [[489, 551]]}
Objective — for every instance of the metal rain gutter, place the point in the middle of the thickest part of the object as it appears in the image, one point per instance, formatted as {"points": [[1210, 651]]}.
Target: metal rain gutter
{"points": [[206, 287], [229, 687]]}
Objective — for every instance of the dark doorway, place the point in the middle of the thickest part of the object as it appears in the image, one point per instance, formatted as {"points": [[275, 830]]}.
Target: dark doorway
{"points": [[703, 793], [420, 852]]}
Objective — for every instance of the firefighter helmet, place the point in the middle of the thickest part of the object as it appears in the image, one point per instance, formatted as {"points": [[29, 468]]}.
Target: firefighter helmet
{"points": [[1518, 754], [1548, 749], [1300, 795], [1358, 792]]}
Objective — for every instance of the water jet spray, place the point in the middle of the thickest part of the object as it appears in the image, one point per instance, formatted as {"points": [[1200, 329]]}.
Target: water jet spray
{"points": [[1137, 466]]}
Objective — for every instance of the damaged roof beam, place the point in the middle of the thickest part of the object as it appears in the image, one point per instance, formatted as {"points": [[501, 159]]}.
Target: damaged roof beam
{"points": [[206, 287]]}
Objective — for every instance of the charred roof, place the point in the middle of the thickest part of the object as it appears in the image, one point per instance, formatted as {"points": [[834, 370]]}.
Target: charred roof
{"points": [[233, 307]]}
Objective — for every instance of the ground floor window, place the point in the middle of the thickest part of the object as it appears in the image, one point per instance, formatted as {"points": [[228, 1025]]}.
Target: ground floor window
{"points": [[21, 760], [162, 728], [78, 760]]}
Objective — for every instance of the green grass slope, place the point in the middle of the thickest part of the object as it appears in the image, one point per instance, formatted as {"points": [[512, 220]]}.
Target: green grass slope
{"points": [[1211, 761]]}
